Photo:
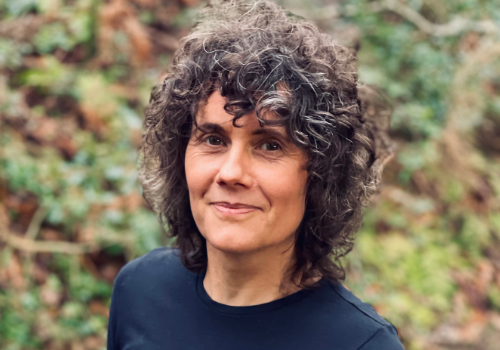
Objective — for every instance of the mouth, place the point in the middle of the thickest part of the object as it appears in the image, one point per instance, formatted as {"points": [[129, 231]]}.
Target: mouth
{"points": [[233, 208]]}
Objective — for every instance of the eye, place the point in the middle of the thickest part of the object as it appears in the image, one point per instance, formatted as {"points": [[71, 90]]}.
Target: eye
{"points": [[271, 146], [213, 140]]}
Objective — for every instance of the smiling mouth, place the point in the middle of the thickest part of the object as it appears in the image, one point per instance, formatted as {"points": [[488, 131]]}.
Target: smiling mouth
{"points": [[233, 209]]}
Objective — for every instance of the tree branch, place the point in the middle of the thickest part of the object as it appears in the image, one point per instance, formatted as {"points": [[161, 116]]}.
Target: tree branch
{"points": [[36, 222], [27, 244], [456, 26]]}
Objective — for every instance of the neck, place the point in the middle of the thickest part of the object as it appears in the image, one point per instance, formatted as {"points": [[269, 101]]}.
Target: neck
{"points": [[250, 278]]}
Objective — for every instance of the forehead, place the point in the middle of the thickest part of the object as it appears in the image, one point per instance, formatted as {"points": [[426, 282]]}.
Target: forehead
{"points": [[212, 111]]}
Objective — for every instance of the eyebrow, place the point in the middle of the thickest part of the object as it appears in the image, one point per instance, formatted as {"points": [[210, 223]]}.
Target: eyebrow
{"points": [[270, 130], [210, 127]]}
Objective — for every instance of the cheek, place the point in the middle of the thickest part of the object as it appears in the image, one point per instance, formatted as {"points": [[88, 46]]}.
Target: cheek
{"points": [[194, 178], [287, 192], [199, 179], [199, 174]]}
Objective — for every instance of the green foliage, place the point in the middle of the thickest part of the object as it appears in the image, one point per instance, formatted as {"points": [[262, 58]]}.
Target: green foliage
{"points": [[87, 185], [16, 8], [51, 37], [11, 54]]}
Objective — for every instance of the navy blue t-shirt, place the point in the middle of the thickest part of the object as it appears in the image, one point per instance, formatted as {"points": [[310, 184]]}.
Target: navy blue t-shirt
{"points": [[159, 304]]}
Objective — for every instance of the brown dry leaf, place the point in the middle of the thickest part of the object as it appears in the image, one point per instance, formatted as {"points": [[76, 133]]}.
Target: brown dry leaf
{"points": [[48, 234], [459, 307], [110, 271], [133, 202], [49, 132], [139, 38], [50, 296], [470, 42], [467, 284], [43, 130], [163, 41], [40, 274], [12, 273], [24, 206], [89, 266], [22, 28], [495, 320], [3, 191], [118, 15], [129, 203], [92, 120], [423, 184], [472, 330], [491, 88], [87, 234], [467, 332], [485, 275], [190, 3], [168, 13], [475, 285], [95, 212], [127, 92], [135, 138], [147, 3], [77, 345], [109, 19], [373, 289], [454, 146], [426, 219], [98, 308], [65, 144], [94, 342]]}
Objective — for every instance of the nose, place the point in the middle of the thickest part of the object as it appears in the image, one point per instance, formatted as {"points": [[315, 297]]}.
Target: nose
{"points": [[234, 168]]}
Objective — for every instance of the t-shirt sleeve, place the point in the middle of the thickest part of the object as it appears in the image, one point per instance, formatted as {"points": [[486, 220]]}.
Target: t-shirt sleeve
{"points": [[113, 315], [385, 338], [128, 292], [111, 328], [120, 300]]}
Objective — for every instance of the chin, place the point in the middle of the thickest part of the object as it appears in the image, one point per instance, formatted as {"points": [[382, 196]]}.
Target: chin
{"points": [[236, 242]]}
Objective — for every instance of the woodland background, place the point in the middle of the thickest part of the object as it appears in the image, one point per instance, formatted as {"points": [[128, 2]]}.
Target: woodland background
{"points": [[75, 77]]}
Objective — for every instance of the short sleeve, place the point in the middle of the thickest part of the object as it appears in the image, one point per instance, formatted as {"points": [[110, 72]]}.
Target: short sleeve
{"points": [[385, 338]]}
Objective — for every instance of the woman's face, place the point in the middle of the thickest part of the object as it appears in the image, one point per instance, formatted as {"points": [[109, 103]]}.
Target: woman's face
{"points": [[247, 185]]}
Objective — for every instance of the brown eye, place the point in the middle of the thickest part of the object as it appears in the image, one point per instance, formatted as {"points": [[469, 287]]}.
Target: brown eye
{"points": [[213, 140], [271, 146]]}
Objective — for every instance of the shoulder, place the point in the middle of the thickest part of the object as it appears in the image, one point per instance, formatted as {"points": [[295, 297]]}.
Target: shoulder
{"points": [[361, 309], [138, 286], [385, 338], [159, 265], [375, 332]]}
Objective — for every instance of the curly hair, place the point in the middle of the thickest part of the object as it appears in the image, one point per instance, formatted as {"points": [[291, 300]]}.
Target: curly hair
{"points": [[249, 51]]}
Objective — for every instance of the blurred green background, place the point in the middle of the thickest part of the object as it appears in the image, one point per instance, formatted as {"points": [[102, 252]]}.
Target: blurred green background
{"points": [[75, 77]]}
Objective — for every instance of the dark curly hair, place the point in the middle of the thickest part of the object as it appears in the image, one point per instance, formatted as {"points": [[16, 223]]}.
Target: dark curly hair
{"points": [[249, 51]]}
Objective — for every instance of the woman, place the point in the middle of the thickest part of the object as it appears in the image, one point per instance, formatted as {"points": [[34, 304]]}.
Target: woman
{"points": [[257, 156]]}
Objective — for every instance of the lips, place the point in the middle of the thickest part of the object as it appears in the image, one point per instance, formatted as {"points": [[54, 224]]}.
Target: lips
{"points": [[233, 208], [234, 205]]}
